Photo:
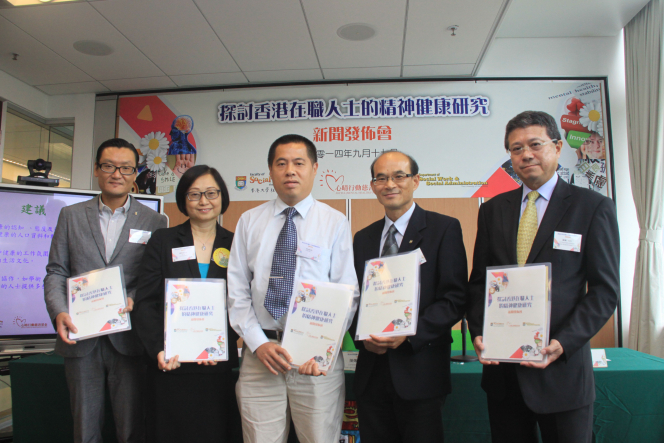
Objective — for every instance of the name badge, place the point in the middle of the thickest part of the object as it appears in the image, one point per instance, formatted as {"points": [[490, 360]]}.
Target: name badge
{"points": [[308, 250], [138, 236], [567, 241], [421, 254], [186, 253]]}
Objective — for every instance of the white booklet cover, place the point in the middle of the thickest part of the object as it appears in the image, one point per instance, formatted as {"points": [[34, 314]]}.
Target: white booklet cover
{"points": [[516, 312], [96, 301], [316, 322], [390, 296], [195, 327]]}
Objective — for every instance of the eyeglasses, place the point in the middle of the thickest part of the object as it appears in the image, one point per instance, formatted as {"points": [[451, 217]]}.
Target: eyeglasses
{"points": [[397, 178], [210, 194], [533, 146], [110, 169]]}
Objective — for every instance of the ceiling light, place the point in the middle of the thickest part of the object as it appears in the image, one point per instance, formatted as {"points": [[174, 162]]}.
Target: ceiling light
{"points": [[37, 2], [356, 32], [91, 47]]}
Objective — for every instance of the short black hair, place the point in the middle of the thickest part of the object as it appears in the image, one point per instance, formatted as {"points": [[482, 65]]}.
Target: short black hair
{"points": [[293, 138], [532, 118], [190, 176], [116, 143], [414, 168]]}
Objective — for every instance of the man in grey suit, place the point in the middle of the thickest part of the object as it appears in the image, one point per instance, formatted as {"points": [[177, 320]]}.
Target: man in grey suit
{"points": [[89, 236]]}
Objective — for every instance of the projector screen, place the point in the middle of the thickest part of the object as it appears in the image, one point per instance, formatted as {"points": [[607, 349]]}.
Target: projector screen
{"points": [[28, 217]]}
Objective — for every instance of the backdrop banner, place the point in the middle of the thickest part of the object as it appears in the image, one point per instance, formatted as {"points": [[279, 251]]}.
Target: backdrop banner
{"points": [[454, 129]]}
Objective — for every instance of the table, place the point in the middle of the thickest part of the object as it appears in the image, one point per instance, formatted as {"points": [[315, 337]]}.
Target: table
{"points": [[629, 406], [40, 402]]}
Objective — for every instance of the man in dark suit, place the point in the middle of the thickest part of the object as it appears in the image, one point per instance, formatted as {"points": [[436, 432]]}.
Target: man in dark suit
{"points": [[94, 235], [519, 227], [401, 382]]}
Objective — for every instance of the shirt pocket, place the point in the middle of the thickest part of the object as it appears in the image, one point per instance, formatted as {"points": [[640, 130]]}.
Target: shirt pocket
{"points": [[316, 269]]}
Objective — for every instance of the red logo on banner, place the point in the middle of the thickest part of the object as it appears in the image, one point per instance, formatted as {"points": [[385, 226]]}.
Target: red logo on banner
{"points": [[332, 179]]}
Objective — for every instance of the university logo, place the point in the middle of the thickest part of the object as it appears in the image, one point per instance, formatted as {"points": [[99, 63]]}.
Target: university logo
{"points": [[241, 182]]}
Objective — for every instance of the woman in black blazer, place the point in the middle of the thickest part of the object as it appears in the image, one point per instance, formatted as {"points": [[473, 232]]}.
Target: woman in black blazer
{"points": [[187, 401]]}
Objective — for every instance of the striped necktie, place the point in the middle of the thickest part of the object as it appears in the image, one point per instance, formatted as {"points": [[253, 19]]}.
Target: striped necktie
{"points": [[527, 229], [390, 247]]}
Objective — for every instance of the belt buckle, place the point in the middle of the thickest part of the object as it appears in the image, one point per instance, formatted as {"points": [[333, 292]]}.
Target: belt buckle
{"points": [[280, 336]]}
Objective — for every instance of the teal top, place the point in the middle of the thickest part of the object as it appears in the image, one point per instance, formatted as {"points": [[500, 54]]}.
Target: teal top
{"points": [[203, 268]]}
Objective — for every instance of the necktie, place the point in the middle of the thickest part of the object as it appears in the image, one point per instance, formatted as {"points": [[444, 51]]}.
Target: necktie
{"points": [[390, 247], [527, 229], [280, 287]]}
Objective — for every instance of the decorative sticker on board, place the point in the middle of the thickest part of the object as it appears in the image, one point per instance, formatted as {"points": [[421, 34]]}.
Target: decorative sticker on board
{"points": [[167, 146]]}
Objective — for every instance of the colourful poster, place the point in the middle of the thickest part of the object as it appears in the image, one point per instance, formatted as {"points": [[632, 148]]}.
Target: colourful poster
{"points": [[164, 139], [455, 130]]}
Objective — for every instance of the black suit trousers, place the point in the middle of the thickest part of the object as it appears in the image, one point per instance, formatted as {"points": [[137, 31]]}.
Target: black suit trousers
{"points": [[385, 417], [513, 422]]}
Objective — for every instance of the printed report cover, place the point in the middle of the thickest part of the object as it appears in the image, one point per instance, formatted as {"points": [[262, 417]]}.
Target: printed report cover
{"points": [[195, 327], [96, 303]]}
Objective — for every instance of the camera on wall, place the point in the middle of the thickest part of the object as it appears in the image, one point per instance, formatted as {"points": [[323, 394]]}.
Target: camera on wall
{"points": [[39, 170]]}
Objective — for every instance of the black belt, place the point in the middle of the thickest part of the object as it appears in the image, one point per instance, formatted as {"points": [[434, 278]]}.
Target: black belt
{"points": [[274, 335]]}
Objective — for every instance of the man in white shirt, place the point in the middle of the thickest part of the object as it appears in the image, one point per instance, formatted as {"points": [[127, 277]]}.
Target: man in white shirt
{"points": [[262, 269]]}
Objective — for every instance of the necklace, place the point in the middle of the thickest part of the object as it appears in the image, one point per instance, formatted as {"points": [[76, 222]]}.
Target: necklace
{"points": [[208, 239]]}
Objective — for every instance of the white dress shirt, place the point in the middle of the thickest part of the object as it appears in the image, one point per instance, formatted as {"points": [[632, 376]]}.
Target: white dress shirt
{"points": [[111, 224], [250, 261], [401, 225], [542, 202]]}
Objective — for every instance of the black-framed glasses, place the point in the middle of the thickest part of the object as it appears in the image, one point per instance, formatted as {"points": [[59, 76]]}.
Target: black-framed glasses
{"points": [[210, 194], [533, 146], [111, 168], [396, 178]]}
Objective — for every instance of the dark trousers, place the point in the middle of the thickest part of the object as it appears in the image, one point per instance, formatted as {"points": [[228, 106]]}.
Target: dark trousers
{"points": [[87, 378], [513, 422], [384, 417], [192, 407]]}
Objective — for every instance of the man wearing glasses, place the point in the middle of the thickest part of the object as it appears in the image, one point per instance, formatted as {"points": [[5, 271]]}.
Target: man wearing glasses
{"points": [[401, 382], [89, 236], [518, 227]]}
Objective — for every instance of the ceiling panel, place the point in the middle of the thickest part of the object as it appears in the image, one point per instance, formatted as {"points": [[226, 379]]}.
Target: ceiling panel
{"points": [[438, 70], [73, 88], [224, 78], [36, 63], [58, 26], [429, 42], [189, 43], [262, 35], [387, 17], [362, 73], [172, 33], [132, 84], [292, 75], [568, 18]]}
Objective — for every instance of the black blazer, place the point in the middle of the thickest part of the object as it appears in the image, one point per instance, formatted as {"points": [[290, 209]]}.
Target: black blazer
{"points": [[156, 266], [577, 314], [420, 367]]}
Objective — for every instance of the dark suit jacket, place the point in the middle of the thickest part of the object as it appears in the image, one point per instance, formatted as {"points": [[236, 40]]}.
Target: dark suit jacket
{"points": [[158, 265], [420, 367], [577, 314], [78, 247]]}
